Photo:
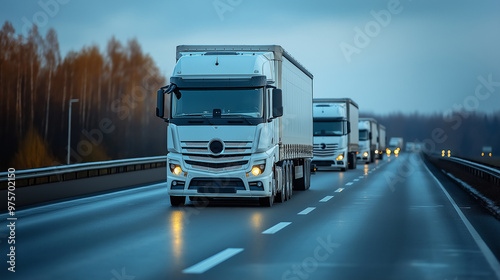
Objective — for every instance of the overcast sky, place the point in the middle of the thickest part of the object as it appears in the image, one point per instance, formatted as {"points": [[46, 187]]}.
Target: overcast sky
{"points": [[408, 55]]}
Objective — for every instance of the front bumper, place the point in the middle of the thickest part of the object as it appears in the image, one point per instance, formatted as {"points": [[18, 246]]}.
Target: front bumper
{"points": [[230, 184]]}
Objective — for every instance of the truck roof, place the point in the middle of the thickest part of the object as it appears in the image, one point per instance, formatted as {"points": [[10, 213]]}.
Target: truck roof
{"points": [[367, 119], [335, 100], [227, 49]]}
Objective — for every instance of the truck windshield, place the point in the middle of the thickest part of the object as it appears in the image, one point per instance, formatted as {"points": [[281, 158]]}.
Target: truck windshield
{"points": [[230, 102], [363, 135], [329, 128]]}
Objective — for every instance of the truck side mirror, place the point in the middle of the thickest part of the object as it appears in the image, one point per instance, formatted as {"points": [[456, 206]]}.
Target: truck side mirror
{"points": [[160, 103], [277, 103], [370, 135], [348, 127]]}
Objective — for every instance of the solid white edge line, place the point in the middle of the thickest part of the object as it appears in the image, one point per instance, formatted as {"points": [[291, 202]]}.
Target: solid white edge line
{"points": [[212, 261], [326, 198], [490, 257], [339, 189], [306, 211], [274, 229]]}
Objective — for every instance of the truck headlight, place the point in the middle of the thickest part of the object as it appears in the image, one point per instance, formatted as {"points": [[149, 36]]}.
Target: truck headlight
{"points": [[365, 154], [175, 169], [258, 169], [341, 156]]}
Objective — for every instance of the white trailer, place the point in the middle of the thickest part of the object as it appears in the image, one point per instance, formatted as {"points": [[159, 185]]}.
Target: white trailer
{"points": [[335, 132], [382, 140], [368, 139], [240, 123]]}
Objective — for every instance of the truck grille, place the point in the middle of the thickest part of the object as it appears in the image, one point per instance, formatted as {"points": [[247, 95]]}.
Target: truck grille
{"points": [[324, 150], [235, 155]]}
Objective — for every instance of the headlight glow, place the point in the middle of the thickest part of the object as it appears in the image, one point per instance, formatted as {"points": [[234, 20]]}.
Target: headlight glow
{"points": [[258, 169], [365, 154], [175, 169], [340, 157]]}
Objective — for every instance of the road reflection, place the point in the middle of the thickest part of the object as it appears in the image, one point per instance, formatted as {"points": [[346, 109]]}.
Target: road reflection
{"points": [[176, 231]]}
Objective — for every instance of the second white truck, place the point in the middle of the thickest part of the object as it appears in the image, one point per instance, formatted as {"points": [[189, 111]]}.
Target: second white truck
{"points": [[335, 132]]}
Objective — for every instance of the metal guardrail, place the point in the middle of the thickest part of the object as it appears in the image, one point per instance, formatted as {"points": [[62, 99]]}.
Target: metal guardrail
{"points": [[485, 172], [61, 173]]}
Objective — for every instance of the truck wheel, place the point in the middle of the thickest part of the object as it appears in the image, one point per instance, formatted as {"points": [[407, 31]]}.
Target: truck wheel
{"points": [[289, 192], [280, 196], [351, 164], [177, 200], [266, 201]]}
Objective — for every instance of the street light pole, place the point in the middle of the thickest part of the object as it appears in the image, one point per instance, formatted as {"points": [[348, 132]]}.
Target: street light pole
{"points": [[69, 127]]}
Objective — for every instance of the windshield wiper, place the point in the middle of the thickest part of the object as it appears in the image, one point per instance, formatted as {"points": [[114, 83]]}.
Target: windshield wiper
{"points": [[198, 115], [243, 117]]}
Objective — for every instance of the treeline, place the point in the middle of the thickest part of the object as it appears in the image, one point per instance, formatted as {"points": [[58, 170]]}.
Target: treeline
{"points": [[113, 117], [464, 133]]}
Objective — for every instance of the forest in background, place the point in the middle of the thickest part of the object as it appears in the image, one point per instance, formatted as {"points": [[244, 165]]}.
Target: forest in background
{"points": [[113, 119], [462, 132]]}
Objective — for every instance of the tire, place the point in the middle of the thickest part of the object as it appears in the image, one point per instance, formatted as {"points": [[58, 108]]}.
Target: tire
{"points": [[266, 201], [351, 161], [280, 196], [290, 181], [177, 200]]}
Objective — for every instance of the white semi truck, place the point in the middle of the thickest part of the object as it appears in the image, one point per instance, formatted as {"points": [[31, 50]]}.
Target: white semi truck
{"points": [[335, 132], [239, 123], [395, 146], [382, 140], [368, 139]]}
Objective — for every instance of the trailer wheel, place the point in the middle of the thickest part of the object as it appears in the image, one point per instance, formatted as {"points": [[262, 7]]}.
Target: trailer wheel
{"points": [[289, 188], [177, 200], [280, 196]]}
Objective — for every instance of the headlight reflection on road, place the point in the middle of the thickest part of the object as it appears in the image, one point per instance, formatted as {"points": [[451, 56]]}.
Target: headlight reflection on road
{"points": [[257, 221], [176, 230]]}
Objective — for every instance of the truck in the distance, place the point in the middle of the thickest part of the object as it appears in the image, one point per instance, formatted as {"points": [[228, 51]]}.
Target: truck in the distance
{"points": [[382, 140], [239, 123], [368, 139], [335, 132], [395, 146]]}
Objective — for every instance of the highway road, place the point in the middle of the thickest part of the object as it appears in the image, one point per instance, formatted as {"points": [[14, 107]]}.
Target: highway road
{"points": [[392, 219]]}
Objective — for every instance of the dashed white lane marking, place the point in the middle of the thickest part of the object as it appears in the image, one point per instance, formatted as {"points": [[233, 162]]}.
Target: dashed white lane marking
{"points": [[339, 189], [274, 229], [326, 198], [306, 211], [361, 177], [355, 180], [488, 254], [212, 261], [350, 183]]}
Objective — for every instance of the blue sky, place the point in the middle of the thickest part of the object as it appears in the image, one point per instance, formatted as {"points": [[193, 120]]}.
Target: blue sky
{"points": [[420, 55]]}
